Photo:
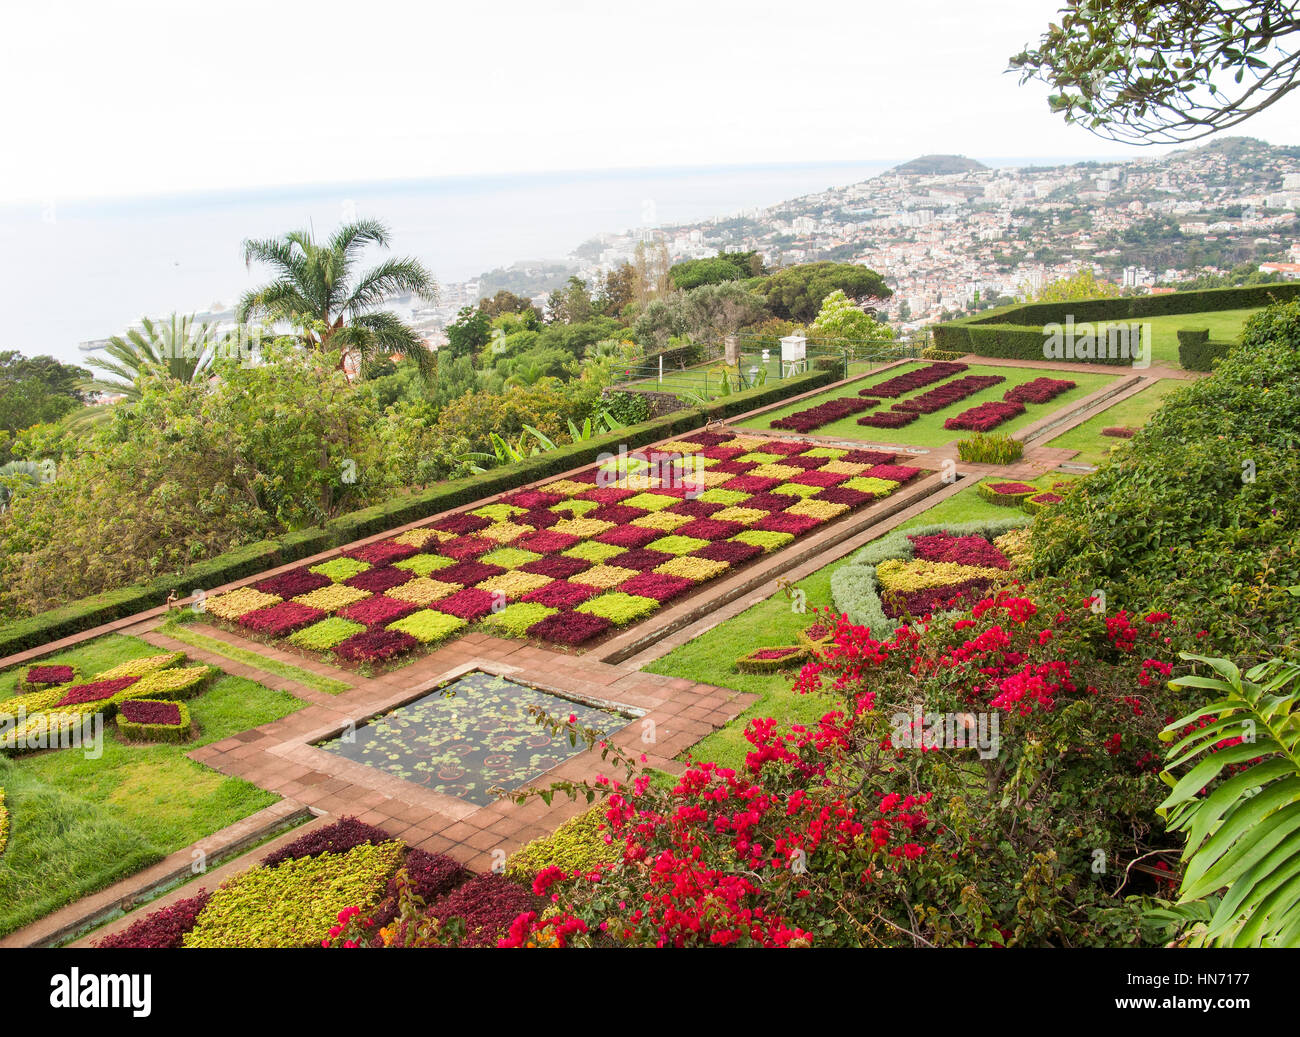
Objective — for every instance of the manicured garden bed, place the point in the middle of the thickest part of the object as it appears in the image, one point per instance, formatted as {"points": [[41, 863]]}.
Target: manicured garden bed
{"points": [[896, 423], [571, 561]]}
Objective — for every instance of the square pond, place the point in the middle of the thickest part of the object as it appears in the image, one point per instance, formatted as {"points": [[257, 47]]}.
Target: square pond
{"points": [[469, 735]]}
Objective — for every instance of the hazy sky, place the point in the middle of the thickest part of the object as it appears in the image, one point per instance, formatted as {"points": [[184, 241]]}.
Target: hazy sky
{"points": [[136, 97]]}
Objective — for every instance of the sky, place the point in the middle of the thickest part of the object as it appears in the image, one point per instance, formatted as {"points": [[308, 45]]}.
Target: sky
{"points": [[146, 98]]}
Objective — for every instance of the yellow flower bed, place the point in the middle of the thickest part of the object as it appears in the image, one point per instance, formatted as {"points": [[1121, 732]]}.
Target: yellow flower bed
{"points": [[606, 576], [582, 527], [504, 532], [514, 584], [697, 569], [775, 471], [237, 602], [662, 520], [421, 591], [822, 509], [919, 574], [333, 597], [736, 513], [566, 487]]}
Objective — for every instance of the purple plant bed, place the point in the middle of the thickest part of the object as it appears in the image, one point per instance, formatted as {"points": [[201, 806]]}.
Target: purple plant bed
{"points": [[840, 495], [557, 567], [770, 501], [545, 541], [872, 457], [964, 550], [292, 583], [385, 552], [822, 479], [750, 484], [640, 559], [488, 904], [377, 610], [569, 628], [339, 837], [659, 586], [467, 547], [611, 494], [733, 551], [466, 573], [539, 519], [709, 529], [96, 691], [784, 522], [697, 508], [468, 604], [888, 419], [530, 499], [372, 646], [561, 594], [630, 536], [50, 675], [384, 578], [898, 473], [163, 929], [619, 514], [136, 712], [460, 525]]}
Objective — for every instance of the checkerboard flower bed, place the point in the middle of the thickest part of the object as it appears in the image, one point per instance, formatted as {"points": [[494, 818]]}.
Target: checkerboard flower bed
{"points": [[153, 720], [985, 416], [769, 660], [805, 421], [917, 378], [1040, 390], [569, 560]]}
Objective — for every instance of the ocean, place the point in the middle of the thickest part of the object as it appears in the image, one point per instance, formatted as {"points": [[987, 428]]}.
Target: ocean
{"points": [[74, 271]]}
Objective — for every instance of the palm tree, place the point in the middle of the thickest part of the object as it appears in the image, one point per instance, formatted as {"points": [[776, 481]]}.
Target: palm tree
{"points": [[317, 289], [178, 348]]}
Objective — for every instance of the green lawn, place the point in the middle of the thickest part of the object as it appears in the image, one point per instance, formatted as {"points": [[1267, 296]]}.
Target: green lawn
{"points": [[928, 430], [709, 658], [1224, 325], [1135, 411], [78, 825]]}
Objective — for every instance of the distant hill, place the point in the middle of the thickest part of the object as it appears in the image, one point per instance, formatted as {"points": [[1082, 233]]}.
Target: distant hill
{"points": [[938, 165]]}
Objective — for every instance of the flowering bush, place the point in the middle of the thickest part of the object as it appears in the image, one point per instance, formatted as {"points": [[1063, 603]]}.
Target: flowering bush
{"points": [[842, 833]]}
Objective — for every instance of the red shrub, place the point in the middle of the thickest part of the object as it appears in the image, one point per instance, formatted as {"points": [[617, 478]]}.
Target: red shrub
{"points": [[530, 499], [468, 604], [659, 586], [379, 609], [628, 536], [466, 573], [888, 419], [143, 712], [784, 446], [609, 494], [569, 628], [750, 484], [378, 580], [466, 547], [640, 559], [965, 550], [281, 619], [784, 522], [733, 551], [163, 929], [985, 416], [461, 524], [540, 518], [50, 674], [376, 645], [292, 583], [617, 513], [545, 541], [488, 904], [868, 457], [914, 379], [699, 508], [898, 473], [562, 594], [383, 552], [709, 529], [839, 495], [723, 453], [822, 479], [1040, 390], [822, 414], [557, 567]]}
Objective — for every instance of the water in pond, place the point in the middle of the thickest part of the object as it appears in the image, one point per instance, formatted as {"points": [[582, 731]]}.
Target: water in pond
{"points": [[470, 735]]}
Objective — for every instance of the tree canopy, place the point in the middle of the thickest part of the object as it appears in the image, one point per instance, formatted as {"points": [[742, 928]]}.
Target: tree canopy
{"points": [[796, 293]]}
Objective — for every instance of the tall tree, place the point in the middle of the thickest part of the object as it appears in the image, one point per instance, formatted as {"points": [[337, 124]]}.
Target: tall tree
{"points": [[1162, 71], [318, 290]]}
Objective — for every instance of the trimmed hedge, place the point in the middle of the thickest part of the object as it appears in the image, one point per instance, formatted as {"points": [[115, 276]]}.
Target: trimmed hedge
{"points": [[157, 731], [1199, 354], [250, 559], [1016, 331]]}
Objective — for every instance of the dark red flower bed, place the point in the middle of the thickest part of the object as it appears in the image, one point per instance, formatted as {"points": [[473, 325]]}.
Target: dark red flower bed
{"points": [[1011, 487], [569, 628], [376, 645], [868, 457], [823, 479], [50, 674], [888, 419], [379, 609], [137, 712], [292, 583], [840, 495], [750, 484], [784, 447], [1040, 390], [709, 529], [557, 567], [710, 439], [468, 604], [546, 541], [770, 501], [467, 547], [934, 599], [985, 416], [541, 518], [429, 876], [378, 580], [617, 513], [466, 573], [461, 524], [530, 499], [899, 473], [488, 904], [699, 508], [561, 594], [806, 463], [946, 395], [385, 552], [339, 837], [640, 559], [281, 619], [730, 467], [964, 550], [626, 536], [733, 551], [722, 453], [784, 522], [822, 414], [96, 691], [914, 379], [163, 929], [659, 586], [1047, 498]]}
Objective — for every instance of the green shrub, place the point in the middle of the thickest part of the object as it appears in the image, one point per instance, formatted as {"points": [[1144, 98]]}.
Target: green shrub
{"points": [[577, 845], [1198, 517], [295, 903], [931, 353], [990, 448], [1201, 354]]}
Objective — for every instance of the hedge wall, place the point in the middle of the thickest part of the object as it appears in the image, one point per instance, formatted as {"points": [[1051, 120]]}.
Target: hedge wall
{"points": [[1195, 350], [251, 559], [1130, 307]]}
